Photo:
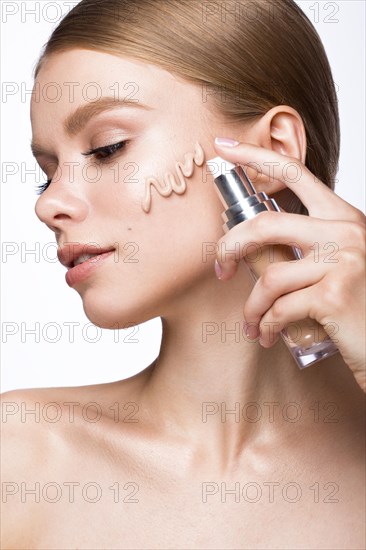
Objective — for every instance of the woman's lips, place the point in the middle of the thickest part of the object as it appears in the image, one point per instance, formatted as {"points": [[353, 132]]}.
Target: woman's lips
{"points": [[82, 271]]}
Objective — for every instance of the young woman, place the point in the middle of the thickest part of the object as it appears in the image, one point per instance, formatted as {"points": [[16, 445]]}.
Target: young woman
{"points": [[222, 442]]}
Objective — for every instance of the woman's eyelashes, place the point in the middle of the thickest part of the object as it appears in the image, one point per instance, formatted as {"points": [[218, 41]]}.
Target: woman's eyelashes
{"points": [[42, 187], [106, 151], [100, 154]]}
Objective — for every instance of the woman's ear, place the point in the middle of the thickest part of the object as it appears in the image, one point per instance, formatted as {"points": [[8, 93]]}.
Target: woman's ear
{"points": [[281, 129], [286, 131]]}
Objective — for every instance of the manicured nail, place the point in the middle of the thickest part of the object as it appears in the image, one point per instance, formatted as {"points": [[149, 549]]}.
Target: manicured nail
{"points": [[218, 269], [226, 142], [251, 330]]}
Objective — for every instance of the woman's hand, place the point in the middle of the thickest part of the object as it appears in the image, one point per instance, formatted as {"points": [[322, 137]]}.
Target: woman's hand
{"points": [[328, 284]]}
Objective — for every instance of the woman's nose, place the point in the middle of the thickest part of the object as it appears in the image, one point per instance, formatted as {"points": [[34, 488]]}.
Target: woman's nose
{"points": [[59, 206]]}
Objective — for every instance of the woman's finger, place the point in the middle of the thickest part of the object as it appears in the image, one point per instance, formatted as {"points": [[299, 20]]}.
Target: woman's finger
{"points": [[290, 311], [319, 199], [278, 279], [312, 235]]}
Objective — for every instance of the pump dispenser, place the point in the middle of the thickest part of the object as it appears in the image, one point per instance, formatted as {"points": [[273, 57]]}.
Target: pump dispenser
{"points": [[306, 339]]}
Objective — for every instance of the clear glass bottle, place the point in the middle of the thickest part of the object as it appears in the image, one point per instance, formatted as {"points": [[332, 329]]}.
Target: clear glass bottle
{"points": [[307, 340]]}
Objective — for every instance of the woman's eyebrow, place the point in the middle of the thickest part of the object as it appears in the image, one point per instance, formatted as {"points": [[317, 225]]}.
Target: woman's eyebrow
{"points": [[76, 121]]}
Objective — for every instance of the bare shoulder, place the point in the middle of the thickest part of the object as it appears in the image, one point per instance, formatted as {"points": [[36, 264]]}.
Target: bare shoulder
{"points": [[23, 449], [21, 422], [37, 421], [31, 414], [50, 436]]}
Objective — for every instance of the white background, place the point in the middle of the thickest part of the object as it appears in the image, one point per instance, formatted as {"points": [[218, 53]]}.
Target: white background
{"points": [[34, 289]]}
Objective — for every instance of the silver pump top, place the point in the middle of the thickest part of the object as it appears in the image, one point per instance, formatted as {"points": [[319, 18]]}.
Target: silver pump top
{"points": [[237, 193]]}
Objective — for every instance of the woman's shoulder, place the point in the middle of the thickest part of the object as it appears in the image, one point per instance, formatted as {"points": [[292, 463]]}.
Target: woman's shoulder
{"points": [[39, 418], [46, 436], [26, 408], [32, 407], [53, 434]]}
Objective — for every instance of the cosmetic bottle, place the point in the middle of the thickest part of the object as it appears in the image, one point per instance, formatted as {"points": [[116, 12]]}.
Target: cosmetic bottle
{"points": [[306, 339]]}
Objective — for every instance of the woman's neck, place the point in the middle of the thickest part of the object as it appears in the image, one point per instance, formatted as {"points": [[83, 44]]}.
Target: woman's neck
{"points": [[210, 385]]}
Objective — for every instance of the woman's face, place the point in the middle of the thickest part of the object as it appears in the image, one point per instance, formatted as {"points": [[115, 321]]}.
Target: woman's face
{"points": [[158, 258]]}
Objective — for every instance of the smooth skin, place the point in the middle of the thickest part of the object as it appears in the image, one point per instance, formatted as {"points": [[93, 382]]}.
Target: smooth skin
{"points": [[293, 449]]}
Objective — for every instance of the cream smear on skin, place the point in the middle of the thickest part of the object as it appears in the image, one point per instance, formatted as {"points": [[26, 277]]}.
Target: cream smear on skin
{"points": [[172, 182]]}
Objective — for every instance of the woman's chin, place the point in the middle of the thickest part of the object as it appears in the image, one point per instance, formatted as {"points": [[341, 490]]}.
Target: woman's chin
{"points": [[108, 313]]}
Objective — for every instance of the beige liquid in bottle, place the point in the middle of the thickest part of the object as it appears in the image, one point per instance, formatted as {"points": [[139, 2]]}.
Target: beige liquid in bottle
{"points": [[304, 333]]}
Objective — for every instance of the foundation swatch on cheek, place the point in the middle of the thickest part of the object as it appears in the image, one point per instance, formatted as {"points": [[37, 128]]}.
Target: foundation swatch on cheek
{"points": [[174, 182]]}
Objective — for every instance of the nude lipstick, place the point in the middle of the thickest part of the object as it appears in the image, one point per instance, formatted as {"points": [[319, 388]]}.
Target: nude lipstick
{"points": [[81, 271], [306, 339], [82, 259]]}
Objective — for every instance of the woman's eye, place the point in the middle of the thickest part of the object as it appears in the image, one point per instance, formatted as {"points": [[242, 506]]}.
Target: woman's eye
{"points": [[99, 154], [104, 152]]}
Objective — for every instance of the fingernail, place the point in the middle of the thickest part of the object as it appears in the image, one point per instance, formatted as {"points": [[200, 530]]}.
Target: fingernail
{"points": [[226, 142], [218, 269], [251, 330]]}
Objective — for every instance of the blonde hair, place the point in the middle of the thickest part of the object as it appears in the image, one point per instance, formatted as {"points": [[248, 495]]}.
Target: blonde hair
{"points": [[247, 56]]}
